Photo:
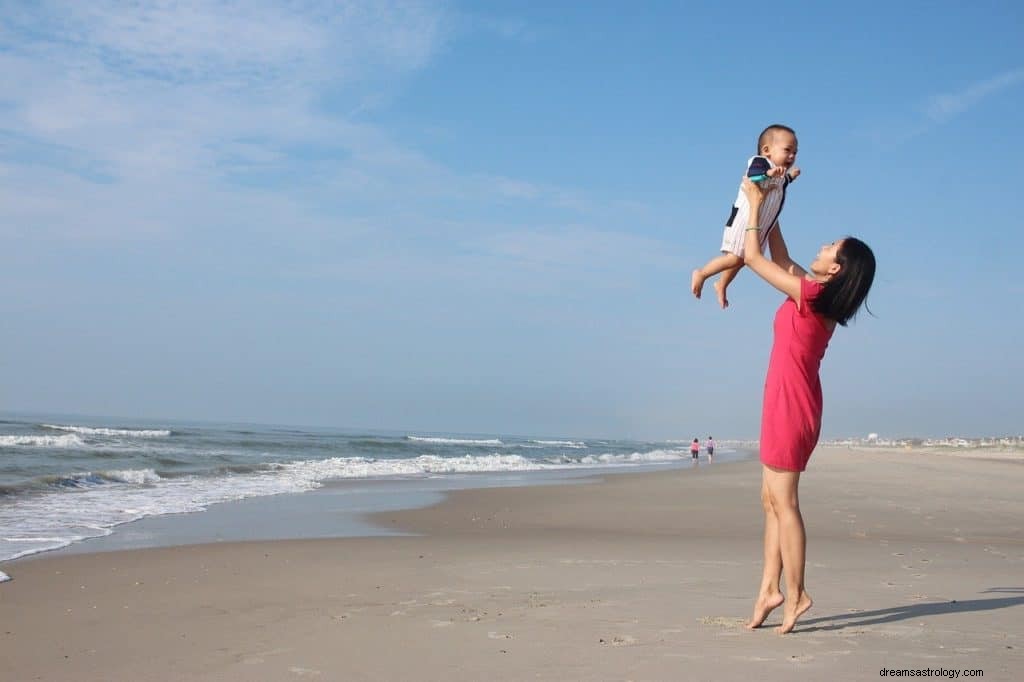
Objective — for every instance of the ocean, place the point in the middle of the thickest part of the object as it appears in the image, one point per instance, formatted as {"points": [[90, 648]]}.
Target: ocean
{"points": [[65, 481]]}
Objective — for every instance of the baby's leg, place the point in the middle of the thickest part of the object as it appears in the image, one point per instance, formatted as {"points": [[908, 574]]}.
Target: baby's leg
{"points": [[725, 261], [723, 283]]}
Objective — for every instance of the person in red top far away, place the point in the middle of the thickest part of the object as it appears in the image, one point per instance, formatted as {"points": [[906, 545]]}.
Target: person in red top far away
{"points": [[828, 293], [695, 448]]}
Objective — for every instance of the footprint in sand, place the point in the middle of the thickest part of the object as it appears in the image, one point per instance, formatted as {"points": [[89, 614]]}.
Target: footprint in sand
{"points": [[899, 631], [304, 672], [620, 640], [722, 621], [258, 657]]}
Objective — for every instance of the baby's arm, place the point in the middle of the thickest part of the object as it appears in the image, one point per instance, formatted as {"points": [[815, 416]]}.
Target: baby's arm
{"points": [[793, 172]]}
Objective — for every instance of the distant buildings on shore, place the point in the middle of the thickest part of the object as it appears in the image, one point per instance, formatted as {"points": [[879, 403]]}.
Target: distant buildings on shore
{"points": [[874, 440], [950, 442]]}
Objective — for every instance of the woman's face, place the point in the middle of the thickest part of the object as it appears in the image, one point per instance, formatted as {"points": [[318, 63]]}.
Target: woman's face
{"points": [[825, 262]]}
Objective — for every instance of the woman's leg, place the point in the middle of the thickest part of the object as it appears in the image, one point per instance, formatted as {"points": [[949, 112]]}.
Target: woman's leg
{"points": [[782, 489], [768, 596]]}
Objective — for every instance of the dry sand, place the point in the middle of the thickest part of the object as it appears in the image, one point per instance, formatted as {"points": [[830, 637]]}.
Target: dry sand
{"points": [[915, 561]]}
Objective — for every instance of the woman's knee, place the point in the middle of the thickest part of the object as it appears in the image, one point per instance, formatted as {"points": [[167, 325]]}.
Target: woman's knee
{"points": [[782, 488]]}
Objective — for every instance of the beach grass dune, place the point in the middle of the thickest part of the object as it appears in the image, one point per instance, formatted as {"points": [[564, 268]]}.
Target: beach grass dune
{"points": [[915, 561]]}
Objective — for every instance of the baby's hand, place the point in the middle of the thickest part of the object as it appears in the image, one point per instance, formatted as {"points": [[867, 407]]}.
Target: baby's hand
{"points": [[794, 173], [775, 172]]}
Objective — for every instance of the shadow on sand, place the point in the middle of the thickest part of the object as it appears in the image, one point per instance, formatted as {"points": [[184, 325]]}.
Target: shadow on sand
{"points": [[897, 613]]}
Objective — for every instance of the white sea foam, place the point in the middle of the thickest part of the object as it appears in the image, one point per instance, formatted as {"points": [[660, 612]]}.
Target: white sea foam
{"points": [[4, 577], [633, 457], [455, 441], [95, 431], [70, 440], [136, 476], [561, 443]]}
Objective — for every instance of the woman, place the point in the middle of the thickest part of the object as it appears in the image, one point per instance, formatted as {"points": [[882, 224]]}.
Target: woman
{"points": [[829, 293]]}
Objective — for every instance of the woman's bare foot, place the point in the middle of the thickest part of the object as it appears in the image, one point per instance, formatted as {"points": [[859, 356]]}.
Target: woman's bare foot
{"points": [[762, 607], [696, 283], [720, 290], [789, 618]]}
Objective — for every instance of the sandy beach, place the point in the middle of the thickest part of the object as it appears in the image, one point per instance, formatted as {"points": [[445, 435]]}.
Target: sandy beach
{"points": [[915, 562]]}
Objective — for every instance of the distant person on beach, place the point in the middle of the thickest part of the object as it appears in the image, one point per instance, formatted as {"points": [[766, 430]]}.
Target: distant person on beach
{"points": [[828, 293], [695, 448], [773, 169], [710, 445]]}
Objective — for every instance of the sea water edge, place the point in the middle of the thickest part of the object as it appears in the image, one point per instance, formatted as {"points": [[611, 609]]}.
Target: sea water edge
{"points": [[268, 482]]}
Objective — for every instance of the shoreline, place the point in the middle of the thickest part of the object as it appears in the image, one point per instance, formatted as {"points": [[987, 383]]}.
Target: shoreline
{"points": [[340, 508], [912, 562]]}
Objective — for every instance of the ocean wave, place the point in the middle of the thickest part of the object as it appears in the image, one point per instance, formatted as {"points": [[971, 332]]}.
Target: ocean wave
{"points": [[96, 431], [633, 457], [561, 443], [70, 440], [455, 441], [73, 507], [85, 479], [133, 476], [374, 443], [321, 470]]}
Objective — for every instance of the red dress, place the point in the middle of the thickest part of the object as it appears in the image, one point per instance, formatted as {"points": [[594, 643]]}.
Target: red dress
{"points": [[791, 417]]}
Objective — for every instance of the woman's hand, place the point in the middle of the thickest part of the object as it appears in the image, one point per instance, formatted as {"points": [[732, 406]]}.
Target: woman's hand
{"points": [[754, 192]]}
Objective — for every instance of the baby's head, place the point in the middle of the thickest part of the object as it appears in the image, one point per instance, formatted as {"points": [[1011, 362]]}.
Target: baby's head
{"points": [[778, 144]]}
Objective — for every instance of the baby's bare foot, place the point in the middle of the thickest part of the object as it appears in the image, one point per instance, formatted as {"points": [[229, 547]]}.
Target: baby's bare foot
{"points": [[696, 283], [762, 607], [720, 291], [790, 617]]}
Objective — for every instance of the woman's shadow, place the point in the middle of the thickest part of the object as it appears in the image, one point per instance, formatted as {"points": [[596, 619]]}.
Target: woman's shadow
{"points": [[896, 613]]}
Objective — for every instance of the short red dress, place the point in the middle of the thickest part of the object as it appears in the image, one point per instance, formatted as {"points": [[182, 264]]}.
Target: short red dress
{"points": [[791, 416]]}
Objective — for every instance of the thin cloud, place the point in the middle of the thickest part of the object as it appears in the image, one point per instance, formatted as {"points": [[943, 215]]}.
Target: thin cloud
{"points": [[941, 108], [228, 43], [115, 102], [192, 121]]}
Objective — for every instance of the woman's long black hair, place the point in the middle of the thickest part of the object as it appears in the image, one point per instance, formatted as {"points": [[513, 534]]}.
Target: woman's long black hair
{"points": [[842, 296]]}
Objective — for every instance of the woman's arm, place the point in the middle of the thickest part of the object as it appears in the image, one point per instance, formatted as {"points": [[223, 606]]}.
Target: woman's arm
{"points": [[780, 254], [769, 271]]}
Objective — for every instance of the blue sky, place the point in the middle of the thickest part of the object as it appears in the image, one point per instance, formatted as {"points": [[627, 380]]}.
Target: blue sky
{"points": [[481, 217]]}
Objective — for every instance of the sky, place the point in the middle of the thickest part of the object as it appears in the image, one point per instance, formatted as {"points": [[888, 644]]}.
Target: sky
{"points": [[481, 217]]}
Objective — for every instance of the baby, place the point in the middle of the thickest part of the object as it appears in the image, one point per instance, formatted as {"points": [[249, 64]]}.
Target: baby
{"points": [[773, 167]]}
